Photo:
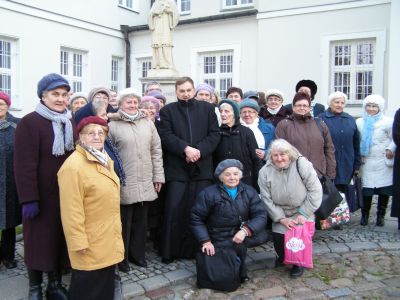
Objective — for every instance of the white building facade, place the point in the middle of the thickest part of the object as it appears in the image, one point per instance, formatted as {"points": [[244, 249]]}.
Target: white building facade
{"points": [[351, 46]]}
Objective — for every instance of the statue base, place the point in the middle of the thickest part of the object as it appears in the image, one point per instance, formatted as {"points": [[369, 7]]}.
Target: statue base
{"points": [[166, 78]]}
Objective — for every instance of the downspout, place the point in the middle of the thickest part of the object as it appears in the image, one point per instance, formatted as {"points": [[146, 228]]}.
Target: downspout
{"points": [[125, 32]]}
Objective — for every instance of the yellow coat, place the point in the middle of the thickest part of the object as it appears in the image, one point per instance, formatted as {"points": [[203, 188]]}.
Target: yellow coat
{"points": [[90, 211]]}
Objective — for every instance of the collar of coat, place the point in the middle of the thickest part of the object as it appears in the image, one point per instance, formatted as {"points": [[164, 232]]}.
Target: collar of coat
{"points": [[330, 114], [189, 102], [224, 193], [298, 117]]}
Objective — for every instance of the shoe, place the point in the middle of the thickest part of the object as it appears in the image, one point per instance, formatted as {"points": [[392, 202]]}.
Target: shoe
{"points": [[167, 261], [296, 271], [380, 220], [35, 285], [10, 264], [278, 263], [139, 262], [55, 289], [244, 279], [124, 267], [364, 220]]}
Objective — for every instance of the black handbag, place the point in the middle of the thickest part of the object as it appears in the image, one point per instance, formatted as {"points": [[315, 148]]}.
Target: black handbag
{"points": [[220, 271], [330, 198], [354, 195]]}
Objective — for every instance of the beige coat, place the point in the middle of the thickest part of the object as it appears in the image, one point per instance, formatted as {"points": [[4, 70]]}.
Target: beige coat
{"points": [[287, 195], [139, 146], [90, 211]]}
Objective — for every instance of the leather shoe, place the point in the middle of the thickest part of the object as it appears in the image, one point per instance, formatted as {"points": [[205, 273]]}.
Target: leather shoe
{"points": [[10, 264], [139, 262], [296, 271], [123, 266], [167, 261]]}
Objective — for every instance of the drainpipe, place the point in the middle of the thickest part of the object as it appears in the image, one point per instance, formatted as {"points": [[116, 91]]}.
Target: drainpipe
{"points": [[125, 32]]}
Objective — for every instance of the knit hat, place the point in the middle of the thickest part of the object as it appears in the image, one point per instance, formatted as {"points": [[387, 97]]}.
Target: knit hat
{"points": [[77, 96], [151, 99], [6, 98], [204, 87], [375, 99], [308, 83], [127, 92], [96, 90], [301, 96], [225, 164], [90, 120], [336, 95], [248, 102], [273, 92], [158, 95], [251, 94], [234, 105], [51, 82]]}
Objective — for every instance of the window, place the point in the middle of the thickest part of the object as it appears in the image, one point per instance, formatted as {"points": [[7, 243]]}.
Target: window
{"points": [[144, 65], [217, 70], [116, 64], [353, 68], [73, 68], [183, 6], [8, 67], [129, 4], [236, 3]]}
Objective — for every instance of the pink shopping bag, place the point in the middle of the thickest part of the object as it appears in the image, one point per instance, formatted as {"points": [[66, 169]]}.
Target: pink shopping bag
{"points": [[298, 245]]}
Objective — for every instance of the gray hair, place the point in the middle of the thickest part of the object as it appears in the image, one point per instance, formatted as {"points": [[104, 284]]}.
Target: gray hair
{"points": [[240, 174], [284, 146], [149, 84], [337, 95]]}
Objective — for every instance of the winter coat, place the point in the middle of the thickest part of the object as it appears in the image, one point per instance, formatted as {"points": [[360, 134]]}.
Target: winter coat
{"points": [[10, 210], [287, 194], [36, 176], [304, 133], [395, 212], [90, 211], [238, 142], [188, 123], [345, 137], [214, 216], [139, 146], [374, 171], [274, 119], [268, 131]]}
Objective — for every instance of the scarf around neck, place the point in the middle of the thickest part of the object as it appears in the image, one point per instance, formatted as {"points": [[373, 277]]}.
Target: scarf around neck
{"points": [[130, 118], [5, 124], [274, 111], [101, 156], [257, 132], [62, 128], [367, 132]]}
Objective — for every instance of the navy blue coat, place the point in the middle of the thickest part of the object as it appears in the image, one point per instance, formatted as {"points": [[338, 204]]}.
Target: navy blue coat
{"points": [[346, 140]]}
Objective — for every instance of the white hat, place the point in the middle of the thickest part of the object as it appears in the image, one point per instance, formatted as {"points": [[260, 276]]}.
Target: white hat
{"points": [[375, 99], [127, 92], [336, 95], [273, 92]]}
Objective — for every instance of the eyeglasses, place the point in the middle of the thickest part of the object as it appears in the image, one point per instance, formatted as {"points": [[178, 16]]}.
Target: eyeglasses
{"points": [[248, 112], [105, 98], [93, 134], [273, 100], [3, 104], [301, 106]]}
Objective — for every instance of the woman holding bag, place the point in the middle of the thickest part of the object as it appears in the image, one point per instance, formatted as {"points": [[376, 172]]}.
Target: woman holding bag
{"points": [[291, 190]]}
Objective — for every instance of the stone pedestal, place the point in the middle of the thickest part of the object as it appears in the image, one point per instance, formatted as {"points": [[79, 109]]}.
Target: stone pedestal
{"points": [[166, 78]]}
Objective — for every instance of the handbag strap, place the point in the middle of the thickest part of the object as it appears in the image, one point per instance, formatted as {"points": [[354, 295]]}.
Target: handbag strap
{"points": [[297, 167]]}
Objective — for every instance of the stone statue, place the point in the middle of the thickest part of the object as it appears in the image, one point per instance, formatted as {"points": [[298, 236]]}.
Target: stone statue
{"points": [[163, 18]]}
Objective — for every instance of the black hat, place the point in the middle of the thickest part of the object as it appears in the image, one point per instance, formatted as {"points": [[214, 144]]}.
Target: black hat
{"points": [[307, 83]]}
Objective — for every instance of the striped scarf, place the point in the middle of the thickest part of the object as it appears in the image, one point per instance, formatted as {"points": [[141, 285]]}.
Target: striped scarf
{"points": [[101, 156], [5, 124]]}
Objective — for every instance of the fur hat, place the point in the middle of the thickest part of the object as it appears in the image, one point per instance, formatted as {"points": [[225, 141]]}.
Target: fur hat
{"points": [[127, 92], [234, 105], [96, 90], [375, 99], [249, 102], [225, 164], [158, 95], [308, 83], [301, 96], [51, 82], [336, 95], [90, 120], [274, 92], [251, 94], [6, 98], [204, 87]]}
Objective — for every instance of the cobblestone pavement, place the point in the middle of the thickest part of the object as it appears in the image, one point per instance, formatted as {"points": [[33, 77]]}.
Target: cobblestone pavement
{"points": [[353, 263]]}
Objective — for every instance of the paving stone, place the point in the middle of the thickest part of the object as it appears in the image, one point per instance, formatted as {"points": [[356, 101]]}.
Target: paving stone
{"points": [[257, 256], [307, 295], [393, 282], [131, 290], [367, 286], [338, 247], [316, 284], [341, 282], [154, 282], [390, 245], [14, 288], [339, 292], [271, 292], [357, 246], [174, 276], [159, 293], [393, 292], [320, 249]]}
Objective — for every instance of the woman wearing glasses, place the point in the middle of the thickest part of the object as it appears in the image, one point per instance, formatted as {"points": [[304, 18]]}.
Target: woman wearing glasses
{"points": [[274, 110], [310, 136]]}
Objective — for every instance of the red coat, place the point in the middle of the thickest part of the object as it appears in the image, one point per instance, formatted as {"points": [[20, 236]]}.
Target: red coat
{"points": [[36, 178]]}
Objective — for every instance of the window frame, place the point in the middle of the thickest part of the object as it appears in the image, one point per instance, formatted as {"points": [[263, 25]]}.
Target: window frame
{"points": [[71, 76], [179, 6], [116, 84], [140, 60], [239, 4], [134, 5], [12, 72]]}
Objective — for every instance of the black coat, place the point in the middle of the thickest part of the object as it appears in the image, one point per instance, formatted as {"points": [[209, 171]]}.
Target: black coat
{"points": [[396, 168], [215, 218], [238, 142], [188, 123]]}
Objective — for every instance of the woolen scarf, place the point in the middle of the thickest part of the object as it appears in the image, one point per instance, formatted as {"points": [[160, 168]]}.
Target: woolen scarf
{"points": [[101, 156], [274, 111], [257, 132], [62, 128], [130, 118], [368, 130], [5, 124]]}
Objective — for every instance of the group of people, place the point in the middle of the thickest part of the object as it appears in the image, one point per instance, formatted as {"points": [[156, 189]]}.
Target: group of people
{"points": [[89, 175]]}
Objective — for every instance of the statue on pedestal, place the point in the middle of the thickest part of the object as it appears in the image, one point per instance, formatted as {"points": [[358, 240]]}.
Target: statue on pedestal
{"points": [[163, 18]]}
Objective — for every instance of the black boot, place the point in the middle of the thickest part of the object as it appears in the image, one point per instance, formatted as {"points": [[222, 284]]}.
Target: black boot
{"points": [[296, 271], [365, 210], [55, 290], [364, 218], [381, 211], [35, 285]]}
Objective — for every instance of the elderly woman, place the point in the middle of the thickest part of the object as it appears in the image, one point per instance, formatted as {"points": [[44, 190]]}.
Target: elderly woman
{"points": [[263, 130], [274, 110], [292, 192], [150, 106], [376, 149], [219, 209], [345, 137], [310, 136], [139, 146], [237, 142], [76, 102], [90, 213], [10, 211]]}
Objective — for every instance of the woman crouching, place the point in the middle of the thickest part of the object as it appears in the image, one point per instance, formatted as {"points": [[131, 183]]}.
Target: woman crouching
{"points": [[90, 213], [291, 190]]}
